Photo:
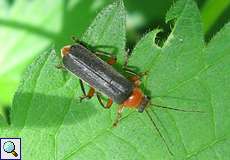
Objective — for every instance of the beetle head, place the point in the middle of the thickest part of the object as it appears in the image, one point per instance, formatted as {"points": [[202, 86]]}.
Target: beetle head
{"points": [[144, 103]]}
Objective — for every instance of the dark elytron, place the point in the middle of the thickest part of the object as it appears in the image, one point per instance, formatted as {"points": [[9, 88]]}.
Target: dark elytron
{"points": [[97, 73]]}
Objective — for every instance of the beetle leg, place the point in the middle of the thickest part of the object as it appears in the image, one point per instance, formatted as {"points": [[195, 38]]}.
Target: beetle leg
{"points": [[87, 45], [127, 56], [82, 87], [112, 58], [119, 115], [129, 70], [100, 53], [89, 94], [135, 78], [108, 104], [77, 40], [60, 66]]}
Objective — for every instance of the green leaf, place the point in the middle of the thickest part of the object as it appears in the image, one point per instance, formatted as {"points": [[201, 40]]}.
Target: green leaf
{"points": [[184, 74], [2, 122], [28, 28], [187, 74], [175, 10], [24, 35], [102, 33]]}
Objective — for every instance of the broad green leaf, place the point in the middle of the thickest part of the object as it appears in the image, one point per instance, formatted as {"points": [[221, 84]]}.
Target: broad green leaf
{"points": [[28, 28], [184, 74], [23, 35]]}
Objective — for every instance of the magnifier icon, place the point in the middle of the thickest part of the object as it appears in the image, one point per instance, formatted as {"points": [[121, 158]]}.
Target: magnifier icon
{"points": [[9, 147]]}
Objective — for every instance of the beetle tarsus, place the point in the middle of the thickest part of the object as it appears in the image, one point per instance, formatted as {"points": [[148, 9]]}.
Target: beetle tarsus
{"points": [[119, 115], [84, 97], [89, 94], [108, 104], [112, 58], [60, 66], [127, 56]]}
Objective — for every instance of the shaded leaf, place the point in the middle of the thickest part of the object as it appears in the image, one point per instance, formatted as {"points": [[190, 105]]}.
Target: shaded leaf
{"points": [[28, 28]]}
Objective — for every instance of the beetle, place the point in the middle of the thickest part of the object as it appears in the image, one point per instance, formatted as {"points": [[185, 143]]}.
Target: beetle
{"points": [[103, 78], [100, 75]]}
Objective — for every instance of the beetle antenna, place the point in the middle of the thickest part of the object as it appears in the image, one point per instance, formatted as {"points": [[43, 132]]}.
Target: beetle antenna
{"points": [[176, 109], [158, 130]]}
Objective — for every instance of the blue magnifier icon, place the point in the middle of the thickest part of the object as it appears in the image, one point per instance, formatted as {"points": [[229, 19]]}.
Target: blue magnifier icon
{"points": [[9, 147]]}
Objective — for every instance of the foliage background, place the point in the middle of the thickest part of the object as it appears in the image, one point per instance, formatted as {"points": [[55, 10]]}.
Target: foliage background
{"points": [[28, 28], [24, 35]]}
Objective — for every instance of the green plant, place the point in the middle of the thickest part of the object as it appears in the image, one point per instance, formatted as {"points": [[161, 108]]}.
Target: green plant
{"points": [[183, 73], [24, 35]]}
